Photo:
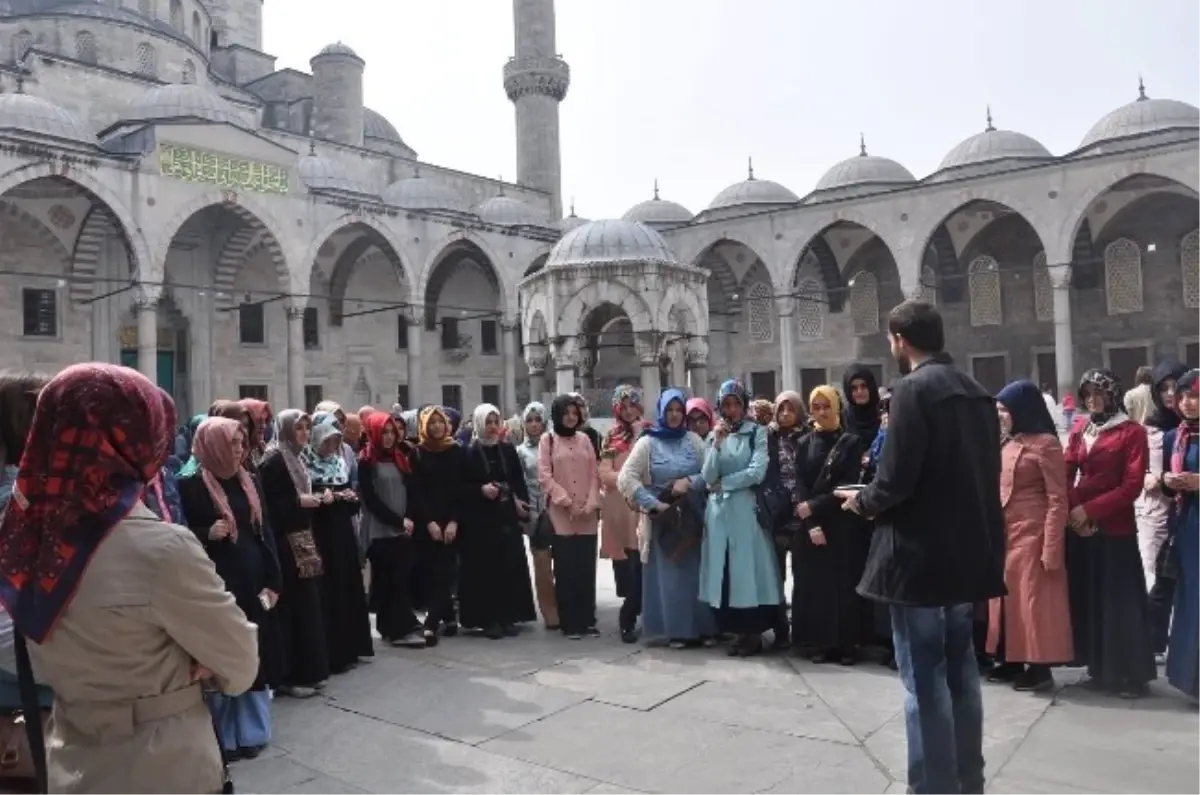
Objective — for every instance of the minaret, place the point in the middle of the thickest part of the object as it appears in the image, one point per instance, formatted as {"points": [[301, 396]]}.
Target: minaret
{"points": [[536, 81]]}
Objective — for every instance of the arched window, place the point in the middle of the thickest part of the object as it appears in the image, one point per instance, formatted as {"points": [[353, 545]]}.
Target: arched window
{"points": [[1123, 277], [147, 63], [1043, 288], [761, 309], [22, 44], [177, 16], [983, 285], [810, 309], [85, 46], [1189, 263], [189, 71], [197, 30], [864, 303], [927, 288], [145, 8]]}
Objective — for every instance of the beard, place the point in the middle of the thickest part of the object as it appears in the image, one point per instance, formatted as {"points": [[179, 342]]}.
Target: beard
{"points": [[903, 363]]}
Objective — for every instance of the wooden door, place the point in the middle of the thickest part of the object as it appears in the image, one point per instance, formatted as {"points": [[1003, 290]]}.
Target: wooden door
{"points": [[762, 385]]}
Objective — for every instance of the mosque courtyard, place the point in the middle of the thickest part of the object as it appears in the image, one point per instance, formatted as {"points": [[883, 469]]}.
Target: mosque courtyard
{"points": [[540, 713]]}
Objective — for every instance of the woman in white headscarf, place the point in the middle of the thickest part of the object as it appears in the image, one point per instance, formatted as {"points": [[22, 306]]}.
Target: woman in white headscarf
{"points": [[494, 592]]}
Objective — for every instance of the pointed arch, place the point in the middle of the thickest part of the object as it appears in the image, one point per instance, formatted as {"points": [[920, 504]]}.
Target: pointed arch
{"points": [[679, 299], [43, 233], [581, 305], [377, 227], [459, 245]]}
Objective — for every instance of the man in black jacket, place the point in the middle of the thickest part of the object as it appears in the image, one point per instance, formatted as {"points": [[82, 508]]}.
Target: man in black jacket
{"points": [[938, 546]]}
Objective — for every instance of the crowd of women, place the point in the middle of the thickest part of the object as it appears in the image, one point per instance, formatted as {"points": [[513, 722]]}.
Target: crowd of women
{"points": [[303, 525]]}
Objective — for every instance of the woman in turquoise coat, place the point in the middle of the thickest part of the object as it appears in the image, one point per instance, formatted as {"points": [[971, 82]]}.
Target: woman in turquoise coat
{"points": [[738, 574]]}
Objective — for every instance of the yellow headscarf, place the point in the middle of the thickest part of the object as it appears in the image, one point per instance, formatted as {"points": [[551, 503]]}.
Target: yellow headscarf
{"points": [[423, 440], [835, 404]]}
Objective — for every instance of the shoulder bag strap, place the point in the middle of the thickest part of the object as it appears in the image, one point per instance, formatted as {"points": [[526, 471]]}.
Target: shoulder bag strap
{"points": [[32, 710]]}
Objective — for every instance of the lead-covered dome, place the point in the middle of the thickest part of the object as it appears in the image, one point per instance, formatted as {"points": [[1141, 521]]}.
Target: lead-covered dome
{"points": [[186, 102], [994, 146], [419, 193], [572, 221], [656, 210], [1141, 117], [337, 48], [322, 173], [506, 211], [24, 114], [752, 191], [376, 125], [863, 171], [611, 241]]}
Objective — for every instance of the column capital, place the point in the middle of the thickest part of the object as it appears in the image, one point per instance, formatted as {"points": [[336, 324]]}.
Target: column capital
{"points": [[294, 312], [696, 353], [536, 358], [509, 324], [147, 296], [565, 360]]}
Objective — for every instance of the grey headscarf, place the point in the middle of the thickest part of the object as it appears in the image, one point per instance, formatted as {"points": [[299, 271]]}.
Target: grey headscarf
{"points": [[285, 442]]}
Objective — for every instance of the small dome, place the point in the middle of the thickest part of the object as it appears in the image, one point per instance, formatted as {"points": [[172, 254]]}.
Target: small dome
{"points": [[658, 211], [183, 101], [992, 145], [865, 169], [376, 125], [418, 193], [321, 173], [753, 191], [337, 48], [1142, 116], [601, 242], [505, 211], [572, 221], [24, 113]]}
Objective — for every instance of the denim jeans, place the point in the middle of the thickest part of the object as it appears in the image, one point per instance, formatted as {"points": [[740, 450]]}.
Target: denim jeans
{"points": [[944, 708]]}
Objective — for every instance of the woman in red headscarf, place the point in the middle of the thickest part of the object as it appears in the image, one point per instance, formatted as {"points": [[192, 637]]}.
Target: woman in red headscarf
{"points": [[223, 506], [125, 611]]}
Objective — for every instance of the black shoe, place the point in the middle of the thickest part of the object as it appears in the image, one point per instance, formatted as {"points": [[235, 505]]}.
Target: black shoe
{"points": [[630, 635], [493, 632], [431, 638], [1006, 672], [251, 752], [510, 630], [450, 629], [592, 632], [1034, 680]]}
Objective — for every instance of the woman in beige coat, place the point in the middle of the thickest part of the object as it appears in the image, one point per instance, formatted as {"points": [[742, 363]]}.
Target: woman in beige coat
{"points": [[127, 614]]}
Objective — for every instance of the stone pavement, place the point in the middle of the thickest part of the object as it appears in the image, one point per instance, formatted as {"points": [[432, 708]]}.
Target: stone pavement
{"points": [[540, 713]]}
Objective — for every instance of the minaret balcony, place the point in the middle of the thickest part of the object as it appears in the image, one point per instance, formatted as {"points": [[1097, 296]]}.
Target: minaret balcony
{"points": [[536, 75]]}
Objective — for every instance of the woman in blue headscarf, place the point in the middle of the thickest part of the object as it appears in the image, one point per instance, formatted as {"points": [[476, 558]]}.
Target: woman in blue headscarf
{"points": [[738, 573], [661, 478]]}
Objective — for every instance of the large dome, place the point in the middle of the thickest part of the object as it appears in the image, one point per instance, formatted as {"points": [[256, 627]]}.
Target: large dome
{"points": [[182, 102], [658, 211], [603, 242], [321, 173], [1141, 117], [863, 170], [418, 193], [753, 191], [24, 113], [505, 211], [993, 145], [93, 9]]}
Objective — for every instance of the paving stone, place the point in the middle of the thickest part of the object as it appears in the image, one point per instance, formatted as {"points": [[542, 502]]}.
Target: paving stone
{"points": [[864, 696], [714, 665], [621, 686]]}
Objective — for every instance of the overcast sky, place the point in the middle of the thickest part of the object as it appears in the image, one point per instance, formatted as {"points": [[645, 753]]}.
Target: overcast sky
{"points": [[686, 90]]}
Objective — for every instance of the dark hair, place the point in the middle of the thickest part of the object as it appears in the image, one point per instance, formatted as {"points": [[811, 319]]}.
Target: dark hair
{"points": [[919, 324], [1145, 375], [18, 399]]}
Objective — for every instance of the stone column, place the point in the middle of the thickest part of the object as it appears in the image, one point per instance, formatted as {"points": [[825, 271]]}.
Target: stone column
{"points": [[697, 367], [536, 358], [1064, 344], [416, 331], [295, 357], [678, 364], [646, 344], [564, 373], [787, 343], [587, 368], [508, 331], [146, 310]]}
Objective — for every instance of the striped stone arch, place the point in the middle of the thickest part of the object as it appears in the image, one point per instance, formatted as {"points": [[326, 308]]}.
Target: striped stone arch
{"points": [[42, 232], [235, 252], [250, 213], [98, 226], [681, 303]]}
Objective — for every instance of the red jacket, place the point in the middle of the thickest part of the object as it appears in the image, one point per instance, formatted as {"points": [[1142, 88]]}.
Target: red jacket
{"points": [[1110, 475]]}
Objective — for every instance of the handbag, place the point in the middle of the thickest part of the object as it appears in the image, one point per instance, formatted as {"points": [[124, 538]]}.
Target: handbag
{"points": [[770, 500]]}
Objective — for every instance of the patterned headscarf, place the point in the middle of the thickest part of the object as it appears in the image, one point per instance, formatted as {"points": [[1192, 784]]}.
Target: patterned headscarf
{"points": [[660, 429], [260, 416], [330, 470], [732, 388], [763, 410], [797, 404], [214, 450], [328, 406], [621, 434], [479, 419], [285, 442], [374, 450], [831, 396], [424, 440], [1109, 386], [100, 433]]}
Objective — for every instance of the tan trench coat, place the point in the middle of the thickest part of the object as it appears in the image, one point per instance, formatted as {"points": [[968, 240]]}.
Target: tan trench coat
{"points": [[126, 716]]}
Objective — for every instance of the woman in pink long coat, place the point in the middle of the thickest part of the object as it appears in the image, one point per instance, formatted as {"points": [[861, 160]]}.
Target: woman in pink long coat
{"points": [[619, 522], [1030, 629]]}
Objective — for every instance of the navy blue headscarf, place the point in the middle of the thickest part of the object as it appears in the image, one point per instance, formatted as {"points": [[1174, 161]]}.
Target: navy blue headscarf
{"points": [[1027, 407], [660, 429]]}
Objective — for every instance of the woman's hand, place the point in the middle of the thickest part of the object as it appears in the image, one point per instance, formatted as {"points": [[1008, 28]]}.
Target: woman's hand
{"points": [[803, 511], [326, 497], [435, 532], [1078, 516], [681, 487], [1085, 530], [219, 530], [1182, 481], [1051, 565], [522, 509], [817, 536], [1151, 483], [309, 500], [451, 532], [490, 491], [349, 495], [408, 527], [719, 433], [269, 598], [200, 673]]}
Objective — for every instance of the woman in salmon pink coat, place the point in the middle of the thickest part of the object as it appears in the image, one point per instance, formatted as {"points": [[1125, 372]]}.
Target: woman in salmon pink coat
{"points": [[1030, 629]]}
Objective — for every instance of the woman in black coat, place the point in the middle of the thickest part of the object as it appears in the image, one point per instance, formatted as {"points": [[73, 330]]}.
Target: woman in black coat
{"points": [[223, 505]]}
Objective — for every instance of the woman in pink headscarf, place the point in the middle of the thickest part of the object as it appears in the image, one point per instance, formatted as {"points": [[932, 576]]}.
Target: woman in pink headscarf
{"points": [[618, 527], [223, 506]]}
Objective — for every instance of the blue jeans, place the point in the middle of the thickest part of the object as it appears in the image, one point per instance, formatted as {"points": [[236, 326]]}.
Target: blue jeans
{"points": [[944, 709]]}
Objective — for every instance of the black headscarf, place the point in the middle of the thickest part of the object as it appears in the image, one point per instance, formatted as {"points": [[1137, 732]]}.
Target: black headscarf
{"points": [[558, 410], [1164, 418], [1027, 407], [861, 420]]}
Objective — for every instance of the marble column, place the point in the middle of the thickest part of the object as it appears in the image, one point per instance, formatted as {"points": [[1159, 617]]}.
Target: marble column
{"points": [[416, 332], [564, 373], [146, 309], [1064, 344], [536, 359], [787, 343], [651, 384], [697, 367], [587, 368], [295, 357], [508, 331], [678, 364]]}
